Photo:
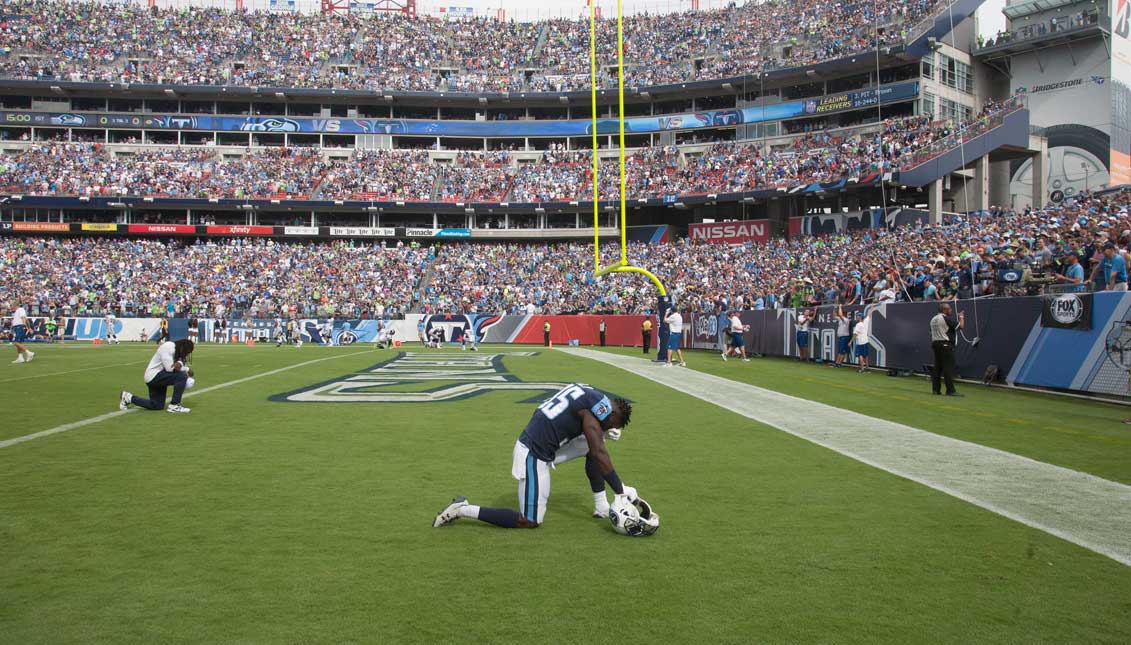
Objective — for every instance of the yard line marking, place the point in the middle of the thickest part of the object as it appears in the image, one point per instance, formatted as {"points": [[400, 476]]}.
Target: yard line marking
{"points": [[1089, 511], [117, 413], [84, 369]]}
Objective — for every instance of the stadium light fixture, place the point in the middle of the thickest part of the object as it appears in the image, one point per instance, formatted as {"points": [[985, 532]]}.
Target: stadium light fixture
{"points": [[148, 200], [116, 204], [213, 200], [84, 199], [563, 99], [642, 201], [56, 89], [281, 96], [388, 98], [170, 93], [540, 210], [469, 211], [400, 203], [275, 202], [482, 100], [503, 204], [728, 87], [680, 205], [247, 207], [372, 209], [748, 200], [338, 202], [573, 203]]}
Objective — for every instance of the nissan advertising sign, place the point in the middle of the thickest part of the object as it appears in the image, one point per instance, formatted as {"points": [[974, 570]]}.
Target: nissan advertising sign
{"points": [[731, 232]]}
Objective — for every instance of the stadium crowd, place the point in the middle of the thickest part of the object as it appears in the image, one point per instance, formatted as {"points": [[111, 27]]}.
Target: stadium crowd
{"points": [[236, 277], [89, 169], [130, 43], [92, 276]]}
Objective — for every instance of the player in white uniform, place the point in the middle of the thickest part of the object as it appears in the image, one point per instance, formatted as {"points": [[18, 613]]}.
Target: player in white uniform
{"points": [[168, 368], [467, 340], [19, 335], [385, 337], [111, 332], [280, 337]]}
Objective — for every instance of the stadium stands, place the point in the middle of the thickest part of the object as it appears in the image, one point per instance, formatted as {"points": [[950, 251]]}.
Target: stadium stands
{"points": [[83, 41], [88, 169], [258, 278]]}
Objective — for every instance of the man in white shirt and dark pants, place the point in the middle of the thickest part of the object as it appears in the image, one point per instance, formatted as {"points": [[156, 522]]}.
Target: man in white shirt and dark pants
{"points": [[861, 334], [168, 367], [19, 335], [675, 334]]}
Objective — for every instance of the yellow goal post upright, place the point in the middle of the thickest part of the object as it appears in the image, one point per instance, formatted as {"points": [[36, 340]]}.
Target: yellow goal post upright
{"points": [[622, 265]]}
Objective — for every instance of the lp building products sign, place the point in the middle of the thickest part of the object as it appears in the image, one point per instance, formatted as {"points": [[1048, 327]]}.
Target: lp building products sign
{"points": [[1067, 311]]}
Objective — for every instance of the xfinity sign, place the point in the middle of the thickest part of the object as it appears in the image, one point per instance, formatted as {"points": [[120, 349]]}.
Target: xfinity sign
{"points": [[731, 232]]}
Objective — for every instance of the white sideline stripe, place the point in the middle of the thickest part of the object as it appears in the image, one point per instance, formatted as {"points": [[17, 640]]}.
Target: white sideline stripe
{"points": [[84, 369], [117, 413], [1089, 511]]}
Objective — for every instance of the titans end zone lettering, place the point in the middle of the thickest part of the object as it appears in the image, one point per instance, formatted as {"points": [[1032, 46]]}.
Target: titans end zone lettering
{"points": [[730, 232], [457, 377]]}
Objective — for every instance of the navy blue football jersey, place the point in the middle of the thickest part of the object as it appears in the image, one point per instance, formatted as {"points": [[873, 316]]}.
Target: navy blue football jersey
{"points": [[556, 421]]}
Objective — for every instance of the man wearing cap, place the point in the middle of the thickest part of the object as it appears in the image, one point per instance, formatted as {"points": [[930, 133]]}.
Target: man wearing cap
{"points": [[1072, 272], [943, 339], [1112, 270]]}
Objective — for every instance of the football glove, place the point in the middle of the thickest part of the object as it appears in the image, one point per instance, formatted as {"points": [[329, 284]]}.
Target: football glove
{"points": [[613, 434], [630, 493]]}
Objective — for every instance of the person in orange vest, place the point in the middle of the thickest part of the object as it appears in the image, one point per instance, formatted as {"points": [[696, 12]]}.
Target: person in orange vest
{"points": [[546, 333]]}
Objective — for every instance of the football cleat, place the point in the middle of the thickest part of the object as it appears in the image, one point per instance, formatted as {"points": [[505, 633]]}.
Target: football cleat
{"points": [[178, 409], [125, 400], [30, 355], [724, 355], [450, 512], [19, 359]]}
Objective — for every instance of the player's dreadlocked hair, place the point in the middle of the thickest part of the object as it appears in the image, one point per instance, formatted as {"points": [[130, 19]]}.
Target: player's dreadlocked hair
{"points": [[625, 410], [182, 349]]}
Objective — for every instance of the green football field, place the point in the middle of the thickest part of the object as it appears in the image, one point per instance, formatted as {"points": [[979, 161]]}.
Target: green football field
{"points": [[295, 505]]}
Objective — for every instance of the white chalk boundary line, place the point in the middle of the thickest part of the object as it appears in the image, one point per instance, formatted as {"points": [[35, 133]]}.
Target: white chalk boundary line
{"points": [[1089, 511], [117, 413]]}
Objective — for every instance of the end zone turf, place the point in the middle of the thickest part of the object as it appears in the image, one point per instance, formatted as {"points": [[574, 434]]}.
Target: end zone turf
{"points": [[262, 521]]}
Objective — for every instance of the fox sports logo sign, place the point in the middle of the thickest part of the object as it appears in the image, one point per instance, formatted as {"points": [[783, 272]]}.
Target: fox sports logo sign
{"points": [[1067, 309]]}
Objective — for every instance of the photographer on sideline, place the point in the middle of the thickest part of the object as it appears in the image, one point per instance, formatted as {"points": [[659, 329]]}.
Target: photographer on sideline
{"points": [[943, 338]]}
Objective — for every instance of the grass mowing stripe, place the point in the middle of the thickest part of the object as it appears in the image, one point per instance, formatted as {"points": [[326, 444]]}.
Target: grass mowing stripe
{"points": [[110, 415], [1086, 510], [84, 369]]}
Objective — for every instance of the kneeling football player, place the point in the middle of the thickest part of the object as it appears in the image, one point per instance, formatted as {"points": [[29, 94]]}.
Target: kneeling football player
{"points": [[168, 368], [572, 423]]}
